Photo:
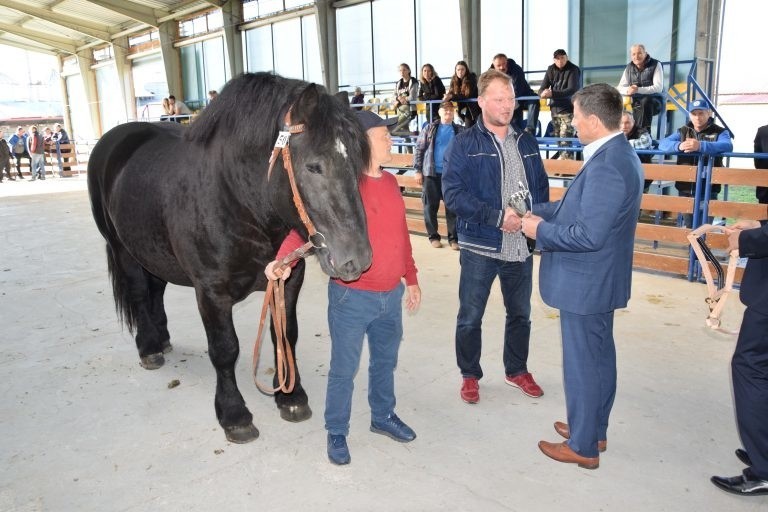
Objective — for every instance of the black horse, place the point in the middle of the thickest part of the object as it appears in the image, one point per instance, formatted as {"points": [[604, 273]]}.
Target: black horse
{"points": [[195, 206]]}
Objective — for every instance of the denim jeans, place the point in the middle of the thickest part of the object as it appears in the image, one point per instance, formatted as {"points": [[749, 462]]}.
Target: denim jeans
{"points": [[431, 195], [477, 275], [38, 165], [353, 314]]}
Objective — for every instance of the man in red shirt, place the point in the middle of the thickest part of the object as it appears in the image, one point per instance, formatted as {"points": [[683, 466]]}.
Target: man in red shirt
{"points": [[371, 305]]}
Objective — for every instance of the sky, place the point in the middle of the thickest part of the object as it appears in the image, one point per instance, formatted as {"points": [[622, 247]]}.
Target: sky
{"points": [[743, 45], [28, 67]]}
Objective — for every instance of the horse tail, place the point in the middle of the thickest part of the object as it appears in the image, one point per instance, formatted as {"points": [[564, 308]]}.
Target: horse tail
{"points": [[104, 164], [124, 307]]}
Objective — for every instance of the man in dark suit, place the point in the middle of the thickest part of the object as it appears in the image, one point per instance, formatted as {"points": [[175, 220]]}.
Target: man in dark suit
{"points": [[586, 241], [749, 366]]}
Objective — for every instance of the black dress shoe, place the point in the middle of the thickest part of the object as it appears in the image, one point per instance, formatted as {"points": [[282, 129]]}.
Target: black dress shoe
{"points": [[745, 484], [743, 457]]}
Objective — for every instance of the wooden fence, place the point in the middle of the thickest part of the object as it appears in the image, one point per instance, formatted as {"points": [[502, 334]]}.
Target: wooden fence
{"points": [[73, 161], [660, 244]]}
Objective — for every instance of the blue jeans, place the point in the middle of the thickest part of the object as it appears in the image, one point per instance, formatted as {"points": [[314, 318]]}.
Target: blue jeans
{"points": [[351, 315], [477, 275]]}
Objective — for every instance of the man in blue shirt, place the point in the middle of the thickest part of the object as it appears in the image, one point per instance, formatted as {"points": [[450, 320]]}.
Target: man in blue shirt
{"points": [[428, 162]]}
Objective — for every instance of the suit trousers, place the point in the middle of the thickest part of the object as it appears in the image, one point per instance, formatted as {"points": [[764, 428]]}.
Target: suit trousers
{"points": [[749, 368], [589, 377]]}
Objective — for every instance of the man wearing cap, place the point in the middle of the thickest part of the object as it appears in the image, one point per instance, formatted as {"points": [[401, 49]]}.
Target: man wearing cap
{"points": [[370, 306], [561, 81], [698, 136], [643, 82], [428, 162]]}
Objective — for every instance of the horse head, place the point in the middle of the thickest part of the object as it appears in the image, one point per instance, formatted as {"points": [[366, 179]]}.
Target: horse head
{"points": [[328, 153]]}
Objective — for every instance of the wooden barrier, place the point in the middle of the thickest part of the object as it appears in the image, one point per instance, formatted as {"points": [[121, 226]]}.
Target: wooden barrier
{"points": [[660, 245], [71, 162]]}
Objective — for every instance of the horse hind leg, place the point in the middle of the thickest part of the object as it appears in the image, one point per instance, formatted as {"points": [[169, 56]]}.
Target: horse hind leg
{"points": [[139, 301], [223, 350], [293, 406]]}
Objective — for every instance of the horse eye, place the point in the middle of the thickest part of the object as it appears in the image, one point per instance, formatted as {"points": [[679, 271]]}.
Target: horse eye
{"points": [[315, 168]]}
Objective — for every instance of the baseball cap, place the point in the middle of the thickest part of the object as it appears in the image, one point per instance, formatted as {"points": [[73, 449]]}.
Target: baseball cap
{"points": [[699, 104], [370, 120], [558, 53]]}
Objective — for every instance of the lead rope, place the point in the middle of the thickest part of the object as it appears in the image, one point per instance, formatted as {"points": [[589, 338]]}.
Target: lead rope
{"points": [[716, 297], [274, 297]]}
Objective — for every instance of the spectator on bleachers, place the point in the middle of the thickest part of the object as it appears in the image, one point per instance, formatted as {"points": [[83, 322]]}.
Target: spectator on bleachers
{"points": [[36, 149], [463, 86], [638, 138], [406, 92], [428, 162], [761, 146], [701, 136], [643, 82], [62, 155], [506, 65], [560, 82], [179, 109], [5, 158], [358, 98], [167, 110], [18, 143], [430, 88]]}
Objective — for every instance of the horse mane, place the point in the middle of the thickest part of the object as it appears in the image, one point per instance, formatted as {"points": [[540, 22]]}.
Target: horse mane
{"points": [[250, 110]]}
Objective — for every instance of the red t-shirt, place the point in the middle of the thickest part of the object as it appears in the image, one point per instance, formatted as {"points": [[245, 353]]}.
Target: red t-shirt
{"points": [[387, 232]]}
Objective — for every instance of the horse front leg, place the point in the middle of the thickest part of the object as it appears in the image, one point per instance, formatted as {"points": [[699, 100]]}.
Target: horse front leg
{"points": [[293, 406], [223, 349]]}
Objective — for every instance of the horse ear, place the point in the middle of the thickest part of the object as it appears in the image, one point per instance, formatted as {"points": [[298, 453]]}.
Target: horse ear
{"points": [[343, 97], [308, 100]]}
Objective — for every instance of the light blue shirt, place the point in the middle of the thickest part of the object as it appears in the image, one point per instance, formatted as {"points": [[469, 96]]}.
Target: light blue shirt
{"points": [[443, 137]]}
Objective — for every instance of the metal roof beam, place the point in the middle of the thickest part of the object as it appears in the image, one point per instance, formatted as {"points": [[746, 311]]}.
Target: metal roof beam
{"points": [[70, 22], [30, 47], [140, 13], [43, 38]]}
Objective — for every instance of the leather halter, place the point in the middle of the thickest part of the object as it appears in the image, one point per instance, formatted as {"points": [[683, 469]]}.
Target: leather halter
{"points": [[717, 293], [274, 298]]}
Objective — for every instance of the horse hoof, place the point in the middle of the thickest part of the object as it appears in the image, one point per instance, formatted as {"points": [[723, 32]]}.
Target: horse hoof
{"points": [[295, 413], [166, 346], [152, 361], [241, 435]]}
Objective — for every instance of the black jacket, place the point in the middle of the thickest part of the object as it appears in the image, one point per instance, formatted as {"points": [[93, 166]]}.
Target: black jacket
{"points": [[564, 83]]}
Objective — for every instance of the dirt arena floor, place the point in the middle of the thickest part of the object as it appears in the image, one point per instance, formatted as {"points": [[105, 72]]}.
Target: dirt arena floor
{"points": [[85, 428]]}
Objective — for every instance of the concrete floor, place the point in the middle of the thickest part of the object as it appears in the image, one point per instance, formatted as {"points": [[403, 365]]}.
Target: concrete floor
{"points": [[84, 428]]}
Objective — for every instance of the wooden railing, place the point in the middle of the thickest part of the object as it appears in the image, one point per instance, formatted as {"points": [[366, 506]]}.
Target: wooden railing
{"points": [[660, 242], [72, 161]]}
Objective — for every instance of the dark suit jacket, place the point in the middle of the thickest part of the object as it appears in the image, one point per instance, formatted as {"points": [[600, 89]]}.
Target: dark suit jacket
{"points": [[587, 240], [753, 244]]}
